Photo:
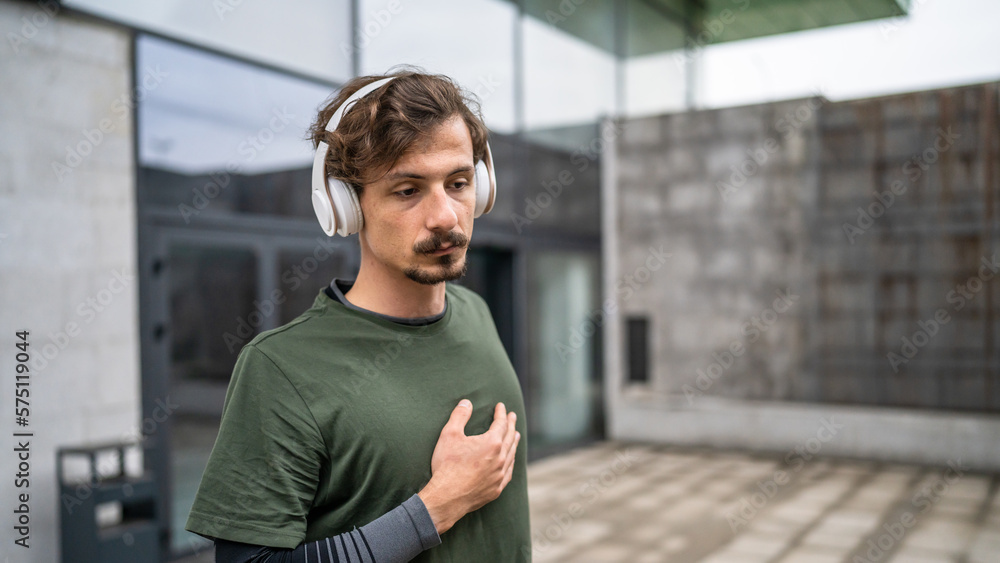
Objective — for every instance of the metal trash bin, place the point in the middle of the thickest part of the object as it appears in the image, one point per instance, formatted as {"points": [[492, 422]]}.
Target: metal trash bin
{"points": [[133, 538]]}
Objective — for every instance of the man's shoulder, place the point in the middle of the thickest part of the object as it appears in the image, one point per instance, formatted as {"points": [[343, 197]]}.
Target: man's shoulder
{"points": [[469, 306], [294, 330], [464, 295]]}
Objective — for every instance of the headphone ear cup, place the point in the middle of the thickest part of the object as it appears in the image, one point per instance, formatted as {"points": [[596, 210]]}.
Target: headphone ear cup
{"points": [[324, 213], [482, 180], [321, 201], [346, 207], [486, 183]]}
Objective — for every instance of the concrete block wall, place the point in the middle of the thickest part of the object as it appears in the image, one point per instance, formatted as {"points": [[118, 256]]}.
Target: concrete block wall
{"points": [[786, 222], [721, 191], [758, 199], [907, 209], [67, 249]]}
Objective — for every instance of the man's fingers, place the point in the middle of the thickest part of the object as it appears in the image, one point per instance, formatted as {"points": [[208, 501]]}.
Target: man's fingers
{"points": [[499, 420], [508, 472], [459, 417], [507, 477], [508, 439], [512, 452]]}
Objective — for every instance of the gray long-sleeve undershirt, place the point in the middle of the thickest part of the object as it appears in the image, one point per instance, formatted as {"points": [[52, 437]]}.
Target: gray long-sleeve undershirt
{"points": [[395, 537]]}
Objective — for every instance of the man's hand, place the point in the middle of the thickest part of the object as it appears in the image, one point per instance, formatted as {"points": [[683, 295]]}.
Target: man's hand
{"points": [[469, 471]]}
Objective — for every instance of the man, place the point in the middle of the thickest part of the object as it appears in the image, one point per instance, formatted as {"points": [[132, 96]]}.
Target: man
{"points": [[341, 418]]}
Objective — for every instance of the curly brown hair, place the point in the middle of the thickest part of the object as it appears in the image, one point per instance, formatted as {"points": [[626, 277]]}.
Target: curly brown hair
{"points": [[379, 128]]}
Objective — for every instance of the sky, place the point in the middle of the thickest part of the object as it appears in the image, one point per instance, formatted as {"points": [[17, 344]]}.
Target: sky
{"points": [[941, 43]]}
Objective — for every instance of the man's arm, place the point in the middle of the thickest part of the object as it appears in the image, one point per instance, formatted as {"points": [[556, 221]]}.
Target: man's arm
{"points": [[467, 472], [395, 537]]}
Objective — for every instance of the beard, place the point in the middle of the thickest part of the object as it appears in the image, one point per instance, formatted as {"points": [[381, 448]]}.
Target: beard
{"points": [[447, 268]]}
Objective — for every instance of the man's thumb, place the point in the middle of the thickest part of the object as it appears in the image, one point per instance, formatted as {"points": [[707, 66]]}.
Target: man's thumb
{"points": [[460, 416]]}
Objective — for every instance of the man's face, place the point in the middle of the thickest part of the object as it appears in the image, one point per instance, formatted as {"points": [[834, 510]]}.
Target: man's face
{"points": [[418, 216]]}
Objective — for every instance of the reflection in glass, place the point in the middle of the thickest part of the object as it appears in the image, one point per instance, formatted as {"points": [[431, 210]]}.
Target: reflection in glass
{"points": [[304, 273], [219, 136], [309, 37], [478, 52], [565, 321], [567, 81], [211, 293], [490, 274]]}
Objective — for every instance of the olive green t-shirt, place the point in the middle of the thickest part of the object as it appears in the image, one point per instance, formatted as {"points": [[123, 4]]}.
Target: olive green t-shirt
{"points": [[330, 422]]}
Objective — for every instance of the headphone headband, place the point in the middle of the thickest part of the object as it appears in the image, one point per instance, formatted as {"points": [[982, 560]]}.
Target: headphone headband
{"points": [[352, 99]]}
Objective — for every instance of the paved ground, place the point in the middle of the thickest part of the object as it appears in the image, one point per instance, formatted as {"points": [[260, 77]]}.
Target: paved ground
{"points": [[636, 503], [645, 504]]}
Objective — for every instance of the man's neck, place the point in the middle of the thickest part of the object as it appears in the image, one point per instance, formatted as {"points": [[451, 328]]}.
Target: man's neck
{"points": [[396, 296]]}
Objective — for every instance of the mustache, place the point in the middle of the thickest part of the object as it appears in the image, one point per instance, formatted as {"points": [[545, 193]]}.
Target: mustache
{"points": [[438, 240]]}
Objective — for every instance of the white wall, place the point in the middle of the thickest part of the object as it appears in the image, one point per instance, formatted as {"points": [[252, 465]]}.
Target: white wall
{"points": [[64, 241]]}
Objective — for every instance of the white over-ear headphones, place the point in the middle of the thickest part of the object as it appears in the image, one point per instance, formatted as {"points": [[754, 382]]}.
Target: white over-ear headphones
{"points": [[336, 203]]}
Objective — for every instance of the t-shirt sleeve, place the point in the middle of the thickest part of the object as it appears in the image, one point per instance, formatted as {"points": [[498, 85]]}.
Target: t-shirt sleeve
{"points": [[263, 472]]}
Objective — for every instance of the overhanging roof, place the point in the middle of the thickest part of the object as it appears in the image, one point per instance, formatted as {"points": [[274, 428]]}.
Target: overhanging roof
{"points": [[652, 26]]}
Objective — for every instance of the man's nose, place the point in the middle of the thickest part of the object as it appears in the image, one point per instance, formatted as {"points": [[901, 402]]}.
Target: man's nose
{"points": [[440, 210]]}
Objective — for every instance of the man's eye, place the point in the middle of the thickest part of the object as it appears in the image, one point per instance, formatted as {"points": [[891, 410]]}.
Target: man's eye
{"points": [[407, 192], [460, 185]]}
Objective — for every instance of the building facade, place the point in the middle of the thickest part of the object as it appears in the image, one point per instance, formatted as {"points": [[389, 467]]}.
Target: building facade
{"points": [[720, 278], [156, 217]]}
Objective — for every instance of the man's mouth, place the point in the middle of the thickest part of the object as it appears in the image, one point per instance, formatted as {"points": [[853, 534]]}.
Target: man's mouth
{"points": [[440, 244], [443, 250]]}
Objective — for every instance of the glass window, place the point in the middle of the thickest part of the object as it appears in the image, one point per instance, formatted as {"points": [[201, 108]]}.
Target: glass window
{"points": [[308, 36], [211, 293], [567, 81], [470, 41], [303, 273], [565, 321], [218, 136], [655, 84], [491, 275], [637, 349]]}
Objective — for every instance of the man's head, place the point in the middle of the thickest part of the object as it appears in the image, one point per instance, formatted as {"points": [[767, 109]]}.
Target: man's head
{"points": [[409, 150]]}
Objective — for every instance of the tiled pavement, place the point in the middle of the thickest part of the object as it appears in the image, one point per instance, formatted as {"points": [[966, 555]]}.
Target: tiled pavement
{"points": [[638, 503]]}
